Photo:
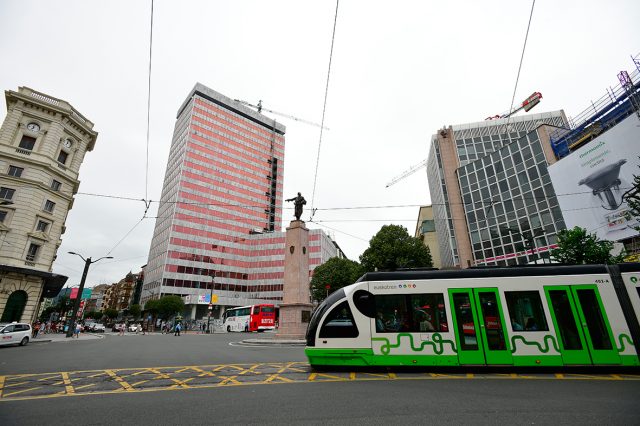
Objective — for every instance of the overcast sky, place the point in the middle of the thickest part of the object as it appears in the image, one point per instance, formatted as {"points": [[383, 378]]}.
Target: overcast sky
{"points": [[400, 71]]}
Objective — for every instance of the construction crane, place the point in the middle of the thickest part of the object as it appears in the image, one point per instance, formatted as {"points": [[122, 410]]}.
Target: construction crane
{"points": [[526, 105], [260, 109], [409, 172]]}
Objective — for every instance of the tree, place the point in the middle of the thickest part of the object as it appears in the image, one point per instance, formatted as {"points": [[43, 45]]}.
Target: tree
{"points": [[576, 246], [170, 305], [111, 313], [93, 315], [392, 248], [335, 273], [632, 197], [135, 310], [152, 306]]}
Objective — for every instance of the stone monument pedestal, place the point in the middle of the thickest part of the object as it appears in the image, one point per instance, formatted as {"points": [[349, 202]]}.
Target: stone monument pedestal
{"points": [[296, 307]]}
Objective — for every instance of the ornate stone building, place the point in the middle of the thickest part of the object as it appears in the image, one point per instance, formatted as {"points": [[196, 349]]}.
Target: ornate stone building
{"points": [[119, 296], [43, 141]]}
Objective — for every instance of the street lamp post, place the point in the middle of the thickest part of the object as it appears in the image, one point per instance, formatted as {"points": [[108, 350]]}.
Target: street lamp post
{"points": [[210, 307], [76, 304]]}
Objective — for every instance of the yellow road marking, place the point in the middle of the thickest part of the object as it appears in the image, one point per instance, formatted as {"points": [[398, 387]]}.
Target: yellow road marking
{"points": [[126, 386], [15, 384], [57, 376], [85, 386], [67, 383], [277, 375], [20, 391], [256, 373], [329, 376], [161, 375], [229, 379], [202, 372], [251, 370]]}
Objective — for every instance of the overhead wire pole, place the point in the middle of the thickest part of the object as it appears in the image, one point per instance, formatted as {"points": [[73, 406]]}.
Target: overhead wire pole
{"points": [[324, 108]]}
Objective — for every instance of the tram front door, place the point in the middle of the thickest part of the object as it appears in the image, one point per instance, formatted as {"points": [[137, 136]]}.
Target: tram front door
{"points": [[583, 331], [481, 337]]}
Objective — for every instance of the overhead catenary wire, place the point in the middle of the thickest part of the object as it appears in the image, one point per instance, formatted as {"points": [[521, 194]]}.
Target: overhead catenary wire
{"points": [[261, 206], [146, 171], [324, 109], [515, 88]]}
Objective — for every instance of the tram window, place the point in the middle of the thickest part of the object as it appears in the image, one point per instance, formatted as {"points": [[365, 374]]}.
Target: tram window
{"points": [[339, 323], [412, 313], [525, 310]]}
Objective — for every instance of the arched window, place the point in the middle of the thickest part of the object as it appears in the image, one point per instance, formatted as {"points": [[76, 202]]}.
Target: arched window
{"points": [[15, 306]]}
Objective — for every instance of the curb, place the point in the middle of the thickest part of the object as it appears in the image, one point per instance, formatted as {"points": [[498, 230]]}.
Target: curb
{"points": [[274, 342]]}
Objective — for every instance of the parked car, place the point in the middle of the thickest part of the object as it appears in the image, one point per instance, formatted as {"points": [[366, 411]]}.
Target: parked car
{"points": [[15, 333], [116, 327], [98, 328], [135, 327]]}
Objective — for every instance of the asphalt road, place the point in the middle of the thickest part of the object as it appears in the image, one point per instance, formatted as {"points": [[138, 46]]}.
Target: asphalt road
{"points": [[480, 402], [150, 385], [137, 351]]}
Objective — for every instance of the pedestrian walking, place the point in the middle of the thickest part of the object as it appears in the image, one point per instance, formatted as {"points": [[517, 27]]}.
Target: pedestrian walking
{"points": [[123, 327], [177, 330], [77, 330]]}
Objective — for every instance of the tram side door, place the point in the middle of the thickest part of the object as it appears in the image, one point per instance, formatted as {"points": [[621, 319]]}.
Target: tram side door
{"points": [[581, 324], [479, 326]]}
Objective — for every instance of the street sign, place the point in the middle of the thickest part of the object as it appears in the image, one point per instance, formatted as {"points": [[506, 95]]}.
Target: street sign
{"points": [[214, 298]]}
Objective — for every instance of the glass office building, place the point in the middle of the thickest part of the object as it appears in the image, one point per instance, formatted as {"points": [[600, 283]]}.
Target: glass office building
{"points": [[492, 196]]}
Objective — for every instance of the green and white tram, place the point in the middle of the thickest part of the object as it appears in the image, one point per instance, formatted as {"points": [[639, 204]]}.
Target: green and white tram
{"points": [[524, 316]]}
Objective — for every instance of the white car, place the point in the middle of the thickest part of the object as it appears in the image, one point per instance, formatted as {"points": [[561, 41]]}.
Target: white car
{"points": [[16, 333], [98, 328], [135, 327]]}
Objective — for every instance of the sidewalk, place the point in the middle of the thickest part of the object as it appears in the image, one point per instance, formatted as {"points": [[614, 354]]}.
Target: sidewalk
{"points": [[62, 337]]}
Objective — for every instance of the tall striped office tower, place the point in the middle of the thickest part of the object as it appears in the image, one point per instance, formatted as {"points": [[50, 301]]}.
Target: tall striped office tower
{"points": [[218, 231]]}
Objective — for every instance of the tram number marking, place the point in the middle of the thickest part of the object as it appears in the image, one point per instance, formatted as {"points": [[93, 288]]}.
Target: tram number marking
{"points": [[603, 281]]}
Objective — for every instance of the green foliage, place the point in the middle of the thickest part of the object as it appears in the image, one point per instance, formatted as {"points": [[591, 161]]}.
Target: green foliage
{"points": [[170, 305], [111, 313], [576, 246], [632, 197], [336, 273], [93, 314], [46, 314], [392, 248], [135, 311], [152, 306]]}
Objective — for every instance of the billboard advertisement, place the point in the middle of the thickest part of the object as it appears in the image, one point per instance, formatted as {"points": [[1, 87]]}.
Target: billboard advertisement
{"points": [[86, 293], [199, 299], [591, 182]]}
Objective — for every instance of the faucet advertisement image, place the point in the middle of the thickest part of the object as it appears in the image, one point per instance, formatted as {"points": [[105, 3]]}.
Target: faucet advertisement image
{"points": [[590, 182]]}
